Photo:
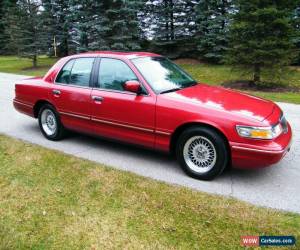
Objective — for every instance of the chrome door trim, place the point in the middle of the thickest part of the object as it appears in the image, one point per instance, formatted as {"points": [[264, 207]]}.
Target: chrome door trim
{"points": [[162, 133], [122, 125], [116, 124], [75, 115]]}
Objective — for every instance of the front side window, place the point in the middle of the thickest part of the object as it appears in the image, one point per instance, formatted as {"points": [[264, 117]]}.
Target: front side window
{"points": [[113, 74], [76, 72], [162, 74]]}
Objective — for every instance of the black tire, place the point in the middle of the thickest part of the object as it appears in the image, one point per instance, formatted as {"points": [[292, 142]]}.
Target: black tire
{"points": [[186, 151], [59, 132]]}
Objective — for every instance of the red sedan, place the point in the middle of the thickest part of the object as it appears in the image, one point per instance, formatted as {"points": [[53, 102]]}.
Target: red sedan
{"points": [[145, 99]]}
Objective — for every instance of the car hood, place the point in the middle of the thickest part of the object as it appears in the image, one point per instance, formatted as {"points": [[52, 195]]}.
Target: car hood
{"points": [[227, 100]]}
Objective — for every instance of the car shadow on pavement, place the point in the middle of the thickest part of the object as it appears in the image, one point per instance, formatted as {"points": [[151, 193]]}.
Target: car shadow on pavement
{"points": [[163, 159], [129, 152]]}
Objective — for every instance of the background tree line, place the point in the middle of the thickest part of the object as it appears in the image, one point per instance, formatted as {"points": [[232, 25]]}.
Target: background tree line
{"points": [[253, 34]]}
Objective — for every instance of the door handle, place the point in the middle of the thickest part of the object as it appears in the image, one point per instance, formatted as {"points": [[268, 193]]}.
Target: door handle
{"points": [[56, 92], [97, 98]]}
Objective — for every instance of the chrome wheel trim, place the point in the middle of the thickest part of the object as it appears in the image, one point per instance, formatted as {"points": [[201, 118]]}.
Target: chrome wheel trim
{"points": [[199, 154], [48, 121]]}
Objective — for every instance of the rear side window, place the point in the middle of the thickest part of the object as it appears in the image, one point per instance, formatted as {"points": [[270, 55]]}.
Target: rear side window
{"points": [[113, 74], [76, 72], [64, 75], [81, 72]]}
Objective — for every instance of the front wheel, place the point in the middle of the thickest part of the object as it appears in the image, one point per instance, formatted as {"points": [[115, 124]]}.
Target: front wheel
{"points": [[202, 153], [50, 123]]}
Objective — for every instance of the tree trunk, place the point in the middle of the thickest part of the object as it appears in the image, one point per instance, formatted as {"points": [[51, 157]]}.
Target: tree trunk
{"points": [[66, 47], [223, 12], [256, 75], [172, 19], [167, 20], [34, 61]]}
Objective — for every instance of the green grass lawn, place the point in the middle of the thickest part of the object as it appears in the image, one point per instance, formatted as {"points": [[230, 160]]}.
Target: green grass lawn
{"points": [[23, 66], [218, 74], [211, 74], [49, 200]]}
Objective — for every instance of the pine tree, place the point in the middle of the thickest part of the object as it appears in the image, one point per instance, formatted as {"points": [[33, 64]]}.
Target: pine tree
{"points": [[187, 18], [3, 38], [25, 27], [6, 8], [88, 22], [97, 27], [80, 18], [171, 26], [31, 43], [172, 19], [105, 24], [49, 25], [56, 18], [261, 36], [122, 26], [145, 19], [296, 25], [212, 28]]}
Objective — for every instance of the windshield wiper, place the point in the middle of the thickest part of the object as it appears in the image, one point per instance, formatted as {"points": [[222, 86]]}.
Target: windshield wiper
{"points": [[192, 84], [170, 90]]}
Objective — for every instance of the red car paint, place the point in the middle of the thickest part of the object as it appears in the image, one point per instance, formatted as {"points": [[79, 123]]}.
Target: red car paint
{"points": [[153, 120]]}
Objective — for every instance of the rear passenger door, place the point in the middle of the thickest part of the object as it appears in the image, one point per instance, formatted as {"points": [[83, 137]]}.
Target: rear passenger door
{"points": [[71, 93]]}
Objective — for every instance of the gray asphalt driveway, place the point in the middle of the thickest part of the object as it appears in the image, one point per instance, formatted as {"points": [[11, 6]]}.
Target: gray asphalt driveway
{"points": [[277, 187]]}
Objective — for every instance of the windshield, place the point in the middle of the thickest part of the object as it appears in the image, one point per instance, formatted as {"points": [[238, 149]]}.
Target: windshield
{"points": [[163, 75]]}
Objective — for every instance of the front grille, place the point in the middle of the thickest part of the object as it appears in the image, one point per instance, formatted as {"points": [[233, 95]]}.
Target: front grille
{"points": [[284, 124]]}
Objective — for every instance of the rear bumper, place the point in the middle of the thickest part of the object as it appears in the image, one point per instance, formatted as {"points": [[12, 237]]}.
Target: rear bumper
{"points": [[23, 107], [260, 153]]}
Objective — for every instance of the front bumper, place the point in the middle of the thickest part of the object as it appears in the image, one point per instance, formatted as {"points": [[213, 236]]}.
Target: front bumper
{"points": [[260, 153]]}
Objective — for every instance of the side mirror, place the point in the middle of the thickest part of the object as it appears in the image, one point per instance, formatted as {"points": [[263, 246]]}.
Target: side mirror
{"points": [[133, 86]]}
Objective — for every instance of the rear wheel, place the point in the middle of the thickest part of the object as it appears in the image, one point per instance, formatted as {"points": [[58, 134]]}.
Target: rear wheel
{"points": [[50, 123], [202, 153]]}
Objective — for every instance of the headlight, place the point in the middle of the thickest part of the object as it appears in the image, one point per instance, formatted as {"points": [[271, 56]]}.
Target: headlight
{"points": [[259, 132]]}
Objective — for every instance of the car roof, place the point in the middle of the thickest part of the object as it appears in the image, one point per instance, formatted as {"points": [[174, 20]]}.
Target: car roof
{"points": [[118, 54]]}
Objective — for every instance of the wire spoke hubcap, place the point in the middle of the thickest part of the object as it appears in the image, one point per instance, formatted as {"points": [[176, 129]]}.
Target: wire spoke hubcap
{"points": [[48, 121], [199, 154]]}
